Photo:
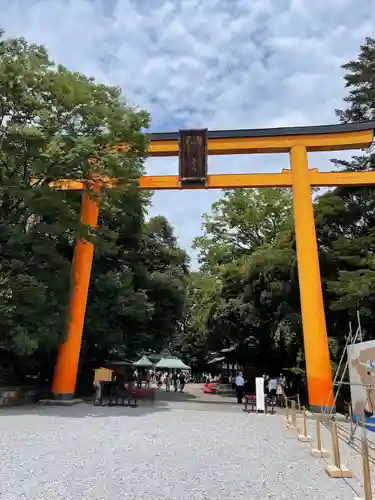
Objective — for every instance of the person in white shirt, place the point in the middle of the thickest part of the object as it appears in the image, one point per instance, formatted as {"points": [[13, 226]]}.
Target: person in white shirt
{"points": [[272, 384], [240, 387]]}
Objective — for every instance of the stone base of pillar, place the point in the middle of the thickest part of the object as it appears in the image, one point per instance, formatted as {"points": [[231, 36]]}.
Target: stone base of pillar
{"points": [[60, 402], [322, 409]]}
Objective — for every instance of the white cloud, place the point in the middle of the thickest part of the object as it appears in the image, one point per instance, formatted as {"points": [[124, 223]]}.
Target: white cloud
{"points": [[218, 64]]}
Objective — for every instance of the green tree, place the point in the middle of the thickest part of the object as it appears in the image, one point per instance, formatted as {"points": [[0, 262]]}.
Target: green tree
{"points": [[347, 215], [241, 221], [258, 304], [251, 279], [165, 282], [53, 122], [360, 81], [192, 340]]}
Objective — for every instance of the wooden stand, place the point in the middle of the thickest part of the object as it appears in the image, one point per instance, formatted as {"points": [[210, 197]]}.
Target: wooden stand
{"points": [[319, 451], [293, 422], [304, 438], [366, 465], [336, 470], [288, 419]]}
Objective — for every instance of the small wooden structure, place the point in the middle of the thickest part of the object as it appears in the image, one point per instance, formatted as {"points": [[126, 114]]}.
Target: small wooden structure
{"points": [[103, 375]]}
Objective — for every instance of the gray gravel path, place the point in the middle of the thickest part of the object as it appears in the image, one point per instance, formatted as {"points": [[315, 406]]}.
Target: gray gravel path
{"points": [[161, 453]]}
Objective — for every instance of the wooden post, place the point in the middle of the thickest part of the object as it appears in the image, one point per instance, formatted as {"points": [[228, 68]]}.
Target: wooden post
{"points": [[365, 463], [319, 451], [298, 403], [366, 466], [336, 470], [287, 418], [304, 438], [294, 416], [293, 422], [335, 445]]}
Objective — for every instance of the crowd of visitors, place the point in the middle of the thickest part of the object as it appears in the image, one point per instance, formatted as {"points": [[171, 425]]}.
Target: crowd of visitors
{"points": [[273, 387], [175, 379]]}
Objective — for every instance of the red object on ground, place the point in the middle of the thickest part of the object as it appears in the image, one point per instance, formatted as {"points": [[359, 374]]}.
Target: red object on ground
{"points": [[210, 388]]}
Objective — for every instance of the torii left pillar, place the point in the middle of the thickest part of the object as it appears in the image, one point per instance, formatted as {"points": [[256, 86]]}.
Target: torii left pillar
{"points": [[66, 369]]}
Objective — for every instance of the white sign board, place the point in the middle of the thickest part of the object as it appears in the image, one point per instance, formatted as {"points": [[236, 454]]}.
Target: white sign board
{"points": [[361, 359], [259, 388]]}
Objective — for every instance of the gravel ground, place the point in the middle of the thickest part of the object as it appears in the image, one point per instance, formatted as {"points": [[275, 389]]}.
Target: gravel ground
{"points": [[351, 458], [159, 452]]}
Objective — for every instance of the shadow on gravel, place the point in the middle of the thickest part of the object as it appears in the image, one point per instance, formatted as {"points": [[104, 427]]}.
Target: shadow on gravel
{"points": [[172, 396], [163, 401], [214, 402], [85, 410]]}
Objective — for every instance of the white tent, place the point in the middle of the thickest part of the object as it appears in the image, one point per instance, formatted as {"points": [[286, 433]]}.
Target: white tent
{"points": [[143, 362], [172, 363]]}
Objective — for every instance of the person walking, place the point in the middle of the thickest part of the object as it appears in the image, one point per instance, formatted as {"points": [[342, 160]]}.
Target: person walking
{"points": [[175, 381], [167, 381], [182, 381], [272, 385], [280, 395], [266, 384], [240, 387]]}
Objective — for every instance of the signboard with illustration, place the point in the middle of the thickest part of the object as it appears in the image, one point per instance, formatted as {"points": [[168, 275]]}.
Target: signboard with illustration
{"points": [[361, 359]]}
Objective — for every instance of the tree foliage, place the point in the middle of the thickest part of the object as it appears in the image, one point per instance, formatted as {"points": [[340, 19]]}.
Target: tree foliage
{"points": [[57, 124], [241, 221], [248, 251]]}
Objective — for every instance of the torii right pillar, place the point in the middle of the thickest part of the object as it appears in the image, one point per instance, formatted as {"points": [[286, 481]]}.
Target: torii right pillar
{"points": [[318, 363]]}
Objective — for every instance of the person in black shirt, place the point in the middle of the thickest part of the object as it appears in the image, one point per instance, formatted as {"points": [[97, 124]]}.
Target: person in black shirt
{"points": [[175, 381], [182, 381]]}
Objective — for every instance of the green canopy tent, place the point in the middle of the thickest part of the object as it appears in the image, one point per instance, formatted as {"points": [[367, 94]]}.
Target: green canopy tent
{"points": [[143, 362], [172, 363]]}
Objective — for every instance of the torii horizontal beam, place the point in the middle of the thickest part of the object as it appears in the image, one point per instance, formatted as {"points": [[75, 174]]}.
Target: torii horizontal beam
{"points": [[228, 181], [272, 140]]}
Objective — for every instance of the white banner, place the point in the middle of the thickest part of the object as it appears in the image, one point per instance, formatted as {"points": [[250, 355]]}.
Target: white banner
{"points": [[259, 387]]}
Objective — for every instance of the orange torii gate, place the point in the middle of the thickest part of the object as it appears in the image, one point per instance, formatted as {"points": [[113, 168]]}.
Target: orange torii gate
{"points": [[192, 147]]}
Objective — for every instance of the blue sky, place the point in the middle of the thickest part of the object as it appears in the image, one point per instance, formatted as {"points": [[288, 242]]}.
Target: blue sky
{"points": [[220, 64]]}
